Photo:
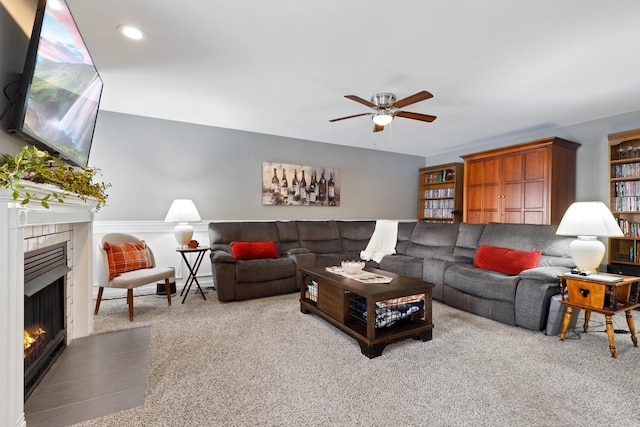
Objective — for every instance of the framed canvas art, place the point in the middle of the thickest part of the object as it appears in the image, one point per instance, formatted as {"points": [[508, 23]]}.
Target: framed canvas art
{"points": [[298, 185]]}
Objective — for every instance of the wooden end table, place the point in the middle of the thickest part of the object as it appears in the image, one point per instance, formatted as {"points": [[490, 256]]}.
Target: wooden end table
{"points": [[334, 304], [193, 268], [607, 298]]}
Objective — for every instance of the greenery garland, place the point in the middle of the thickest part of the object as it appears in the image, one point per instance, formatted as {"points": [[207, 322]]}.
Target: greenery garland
{"points": [[38, 166]]}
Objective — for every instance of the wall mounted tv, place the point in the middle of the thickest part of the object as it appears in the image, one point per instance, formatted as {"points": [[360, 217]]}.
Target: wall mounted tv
{"points": [[56, 105]]}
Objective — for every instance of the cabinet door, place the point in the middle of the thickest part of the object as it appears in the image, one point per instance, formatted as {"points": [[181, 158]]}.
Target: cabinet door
{"points": [[536, 187], [483, 189], [525, 188], [512, 191]]}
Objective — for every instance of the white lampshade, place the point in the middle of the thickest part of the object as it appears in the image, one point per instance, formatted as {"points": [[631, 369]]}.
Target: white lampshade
{"points": [[382, 118], [183, 211], [587, 220]]}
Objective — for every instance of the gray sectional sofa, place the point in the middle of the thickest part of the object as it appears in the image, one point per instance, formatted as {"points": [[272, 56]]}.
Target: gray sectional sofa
{"points": [[439, 253]]}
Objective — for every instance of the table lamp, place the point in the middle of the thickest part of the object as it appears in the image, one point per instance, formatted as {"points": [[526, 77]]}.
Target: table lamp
{"points": [[183, 211], [587, 221]]}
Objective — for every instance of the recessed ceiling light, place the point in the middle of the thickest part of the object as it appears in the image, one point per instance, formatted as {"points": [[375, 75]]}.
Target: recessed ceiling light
{"points": [[131, 32]]}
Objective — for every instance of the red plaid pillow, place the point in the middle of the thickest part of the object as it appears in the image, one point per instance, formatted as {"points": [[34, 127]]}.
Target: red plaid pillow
{"points": [[126, 257]]}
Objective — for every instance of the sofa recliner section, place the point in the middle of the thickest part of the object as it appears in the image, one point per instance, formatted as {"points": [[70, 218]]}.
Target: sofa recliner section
{"points": [[439, 253]]}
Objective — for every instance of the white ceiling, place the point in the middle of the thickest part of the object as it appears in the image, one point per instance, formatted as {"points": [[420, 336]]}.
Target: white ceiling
{"points": [[495, 67]]}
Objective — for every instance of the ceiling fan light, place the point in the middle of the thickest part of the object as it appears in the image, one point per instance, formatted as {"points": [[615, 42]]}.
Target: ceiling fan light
{"points": [[382, 118]]}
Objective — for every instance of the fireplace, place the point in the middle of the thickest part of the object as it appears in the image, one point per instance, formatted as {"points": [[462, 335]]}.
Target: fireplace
{"points": [[45, 272], [25, 229]]}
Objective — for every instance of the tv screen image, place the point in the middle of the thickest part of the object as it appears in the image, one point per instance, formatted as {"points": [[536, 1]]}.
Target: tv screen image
{"points": [[60, 90]]}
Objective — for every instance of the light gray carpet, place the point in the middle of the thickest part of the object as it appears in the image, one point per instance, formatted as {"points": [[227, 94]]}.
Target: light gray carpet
{"points": [[263, 363]]}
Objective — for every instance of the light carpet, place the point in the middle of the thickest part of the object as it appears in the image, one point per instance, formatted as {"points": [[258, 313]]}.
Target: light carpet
{"points": [[264, 363]]}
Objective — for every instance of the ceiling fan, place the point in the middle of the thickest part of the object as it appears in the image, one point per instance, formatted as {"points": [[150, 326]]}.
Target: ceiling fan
{"points": [[386, 108]]}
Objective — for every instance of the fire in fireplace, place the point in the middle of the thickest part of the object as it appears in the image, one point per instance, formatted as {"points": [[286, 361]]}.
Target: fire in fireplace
{"points": [[45, 272]]}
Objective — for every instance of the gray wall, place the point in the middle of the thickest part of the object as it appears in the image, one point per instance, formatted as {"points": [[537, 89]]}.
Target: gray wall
{"points": [[150, 162], [592, 157]]}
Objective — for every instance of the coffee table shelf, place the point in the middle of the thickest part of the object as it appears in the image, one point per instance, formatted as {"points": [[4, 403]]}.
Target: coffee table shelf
{"points": [[332, 303]]}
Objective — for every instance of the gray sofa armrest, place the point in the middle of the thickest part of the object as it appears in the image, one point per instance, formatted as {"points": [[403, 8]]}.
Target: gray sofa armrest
{"points": [[307, 259], [533, 295], [547, 274], [223, 269], [222, 256], [532, 302], [454, 258]]}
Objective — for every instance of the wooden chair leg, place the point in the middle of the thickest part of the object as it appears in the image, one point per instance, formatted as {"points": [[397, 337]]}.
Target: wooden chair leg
{"points": [[167, 288], [130, 303], [98, 300]]}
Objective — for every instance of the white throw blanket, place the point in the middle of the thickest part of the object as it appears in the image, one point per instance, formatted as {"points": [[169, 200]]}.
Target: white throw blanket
{"points": [[382, 242]]}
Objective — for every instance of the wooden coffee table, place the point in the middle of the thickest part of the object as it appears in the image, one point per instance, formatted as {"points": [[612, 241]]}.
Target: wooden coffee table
{"points": [[337, 296]]}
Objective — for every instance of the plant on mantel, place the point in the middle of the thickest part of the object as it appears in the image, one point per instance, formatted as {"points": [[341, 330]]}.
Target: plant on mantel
{"points": [[38, 166]]}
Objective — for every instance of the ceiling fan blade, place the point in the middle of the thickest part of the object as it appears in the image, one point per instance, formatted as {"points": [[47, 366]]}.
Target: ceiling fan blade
{"points": [[361, 101], [420, 96], [350, 117], [377, 128], [415, 116]]}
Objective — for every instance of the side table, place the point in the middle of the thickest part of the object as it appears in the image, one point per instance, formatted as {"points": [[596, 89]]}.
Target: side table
{"points": [[607, 298], [193, 268]]}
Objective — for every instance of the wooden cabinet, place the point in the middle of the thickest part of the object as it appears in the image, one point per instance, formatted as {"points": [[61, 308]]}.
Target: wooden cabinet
{"points": [[440, 193], [530, 183], [624, 196]]}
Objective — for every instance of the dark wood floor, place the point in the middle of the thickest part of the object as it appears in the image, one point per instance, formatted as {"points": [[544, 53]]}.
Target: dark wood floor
{"points": [[94, 376]]}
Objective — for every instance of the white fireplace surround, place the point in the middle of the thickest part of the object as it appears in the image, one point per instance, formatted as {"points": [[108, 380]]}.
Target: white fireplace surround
{"points": [[23, 229]]}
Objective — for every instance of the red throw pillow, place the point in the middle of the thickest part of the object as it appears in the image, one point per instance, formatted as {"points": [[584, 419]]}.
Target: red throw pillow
{"points": [[505, 260], [125, 257], [254, 250]]}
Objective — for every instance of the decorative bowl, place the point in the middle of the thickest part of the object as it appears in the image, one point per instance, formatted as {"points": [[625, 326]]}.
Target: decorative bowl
{"points": [[352, 267]]}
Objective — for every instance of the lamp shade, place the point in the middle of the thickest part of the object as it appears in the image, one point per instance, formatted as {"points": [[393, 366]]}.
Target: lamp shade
{"points": [[183, 211], [589, 219], [586, 220]]}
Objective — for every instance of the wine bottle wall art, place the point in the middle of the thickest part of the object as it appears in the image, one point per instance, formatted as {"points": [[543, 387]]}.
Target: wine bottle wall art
{"points": [[285, 184]]}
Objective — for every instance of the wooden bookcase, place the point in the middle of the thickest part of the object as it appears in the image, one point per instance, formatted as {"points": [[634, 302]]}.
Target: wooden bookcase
{"points": [[440, 193], [624, 196]]}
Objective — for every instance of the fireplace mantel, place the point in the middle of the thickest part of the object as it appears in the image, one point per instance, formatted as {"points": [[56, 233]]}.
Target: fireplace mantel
{"points": [[24, 228]]}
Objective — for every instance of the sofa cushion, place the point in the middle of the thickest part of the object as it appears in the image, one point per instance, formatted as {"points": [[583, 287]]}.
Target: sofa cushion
{"points": [[254, 250], [221, 234], [355, 235], [125, 257], [429, 239], [531, 237], [435, 234], [505, 260], [468, 238], [264, 270], [402, 264], [320, 237], [481, 283], [405, 230], [288, 235]]}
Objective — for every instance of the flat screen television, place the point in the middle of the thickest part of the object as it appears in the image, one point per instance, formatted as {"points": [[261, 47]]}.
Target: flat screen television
{"points": [[56, 105]]}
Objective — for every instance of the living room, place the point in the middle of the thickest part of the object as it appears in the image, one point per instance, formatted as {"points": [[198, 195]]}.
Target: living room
{"points": [[151, 161]]}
